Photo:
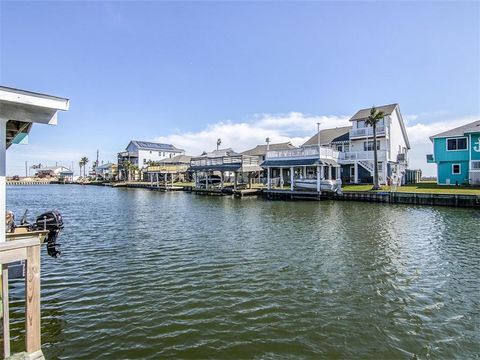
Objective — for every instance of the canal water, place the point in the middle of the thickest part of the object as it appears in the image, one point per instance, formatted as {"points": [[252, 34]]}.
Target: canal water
{"points": [[148, 275]]}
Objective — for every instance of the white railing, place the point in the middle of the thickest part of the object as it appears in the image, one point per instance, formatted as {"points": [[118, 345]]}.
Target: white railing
{"points": [[363, 155], [311, 151], [236, 159], [366, 131]]}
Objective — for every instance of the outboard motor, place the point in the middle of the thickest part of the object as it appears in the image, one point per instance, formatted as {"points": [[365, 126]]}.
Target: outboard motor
{"points": [[53, 222]]}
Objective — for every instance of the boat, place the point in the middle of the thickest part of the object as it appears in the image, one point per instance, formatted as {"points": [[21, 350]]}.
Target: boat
{"points": [[332, 186], [212, 180]]}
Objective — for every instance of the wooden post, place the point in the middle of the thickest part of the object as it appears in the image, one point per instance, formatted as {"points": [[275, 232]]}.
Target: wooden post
{"points": [[291, 178], [318, 178], [235, 183], [32, 300], [6, 312], [355, 169], [269, 186]]}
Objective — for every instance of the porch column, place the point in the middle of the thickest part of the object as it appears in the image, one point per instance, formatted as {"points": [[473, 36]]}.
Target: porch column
{"points": [[322, 172], [221, 179], [195, 178], [268, 179], [355, 169], [235, 183], [304, 171], [329, 172], [281, 177], [3, 146], [291, 178], [318, 178], [206, 180]]}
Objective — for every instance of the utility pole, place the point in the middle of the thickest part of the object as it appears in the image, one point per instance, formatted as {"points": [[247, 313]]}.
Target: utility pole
{"points": [[26, 168]]}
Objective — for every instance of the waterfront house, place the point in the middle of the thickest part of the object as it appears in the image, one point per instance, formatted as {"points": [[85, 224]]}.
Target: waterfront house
{"points": [[141, 153], [107, 171], [62, 173], [173, 169], [457, 155], [19, 110], [355, 146], [261, 150], [226, 164]]}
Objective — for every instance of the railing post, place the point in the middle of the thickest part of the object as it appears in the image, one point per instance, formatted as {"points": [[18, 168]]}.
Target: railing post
{"points": [[32, 300]]}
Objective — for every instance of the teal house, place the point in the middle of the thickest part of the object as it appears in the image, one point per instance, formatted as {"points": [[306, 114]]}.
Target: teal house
{"points": [[457, 155]]}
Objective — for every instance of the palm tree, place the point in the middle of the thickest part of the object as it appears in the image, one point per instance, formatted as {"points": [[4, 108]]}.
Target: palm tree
{"points": [[372, 120], [84, 161]]}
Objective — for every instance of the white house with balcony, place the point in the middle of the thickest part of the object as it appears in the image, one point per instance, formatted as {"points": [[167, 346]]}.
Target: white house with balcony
{"points": [[143, 153], [355, 146]]}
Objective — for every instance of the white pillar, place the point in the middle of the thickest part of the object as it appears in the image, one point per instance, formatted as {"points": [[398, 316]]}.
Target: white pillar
{"points": [[268, 179], [305, 172], [235, 183], [329, 172], [291, 178], [322, 172], [3, 190], [318, 178], [355, 166], [281, 177]]}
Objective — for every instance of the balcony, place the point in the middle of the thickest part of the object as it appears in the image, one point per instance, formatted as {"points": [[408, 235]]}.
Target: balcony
{"points": [[430, 159], [363, 155], [305, 152], [366, 132], [402, 158]]}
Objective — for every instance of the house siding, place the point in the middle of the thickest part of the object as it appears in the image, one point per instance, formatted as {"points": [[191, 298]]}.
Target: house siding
{"points": [[446, 177]]}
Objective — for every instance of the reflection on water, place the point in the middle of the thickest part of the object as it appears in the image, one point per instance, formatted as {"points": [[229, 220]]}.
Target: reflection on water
{"points": [[152, 275]]}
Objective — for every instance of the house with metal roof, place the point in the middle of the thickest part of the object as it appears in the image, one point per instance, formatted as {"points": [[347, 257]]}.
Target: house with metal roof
{"points": [[142, 153], [355, 145], [457, 155]]}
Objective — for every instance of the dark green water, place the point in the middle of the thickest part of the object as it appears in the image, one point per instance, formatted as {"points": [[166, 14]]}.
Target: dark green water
{"points": [[147, 275]]}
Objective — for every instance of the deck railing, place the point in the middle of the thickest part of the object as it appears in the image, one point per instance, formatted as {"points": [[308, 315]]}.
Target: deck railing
{"points": [[311, 151], [363, 155], [244, 160], [367, 131], [23, 247]]}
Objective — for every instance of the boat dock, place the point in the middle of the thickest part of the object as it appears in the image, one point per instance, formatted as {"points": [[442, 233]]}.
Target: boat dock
{"points": [[223, 192]]}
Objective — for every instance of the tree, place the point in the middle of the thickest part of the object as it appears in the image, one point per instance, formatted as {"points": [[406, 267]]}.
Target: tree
{"points": [[372, 120], [84, 161]]}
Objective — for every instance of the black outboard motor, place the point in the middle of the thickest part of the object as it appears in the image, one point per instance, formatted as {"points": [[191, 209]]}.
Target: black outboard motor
{"points": [[53, 222]]}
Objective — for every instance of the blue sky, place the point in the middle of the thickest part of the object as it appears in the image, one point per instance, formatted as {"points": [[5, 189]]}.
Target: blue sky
{"points": [[190, 72]]}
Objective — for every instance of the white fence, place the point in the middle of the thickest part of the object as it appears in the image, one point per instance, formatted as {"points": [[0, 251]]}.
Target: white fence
{"points": [[367, 131], [363, 155], [305, 152]]}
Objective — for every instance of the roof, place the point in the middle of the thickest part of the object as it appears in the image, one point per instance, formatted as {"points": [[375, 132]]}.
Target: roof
{"points": [[183, 159], [106, 165], [146, 145], [21, 108], [221, 153], [365, 113], [460, 131], [261, 150], [327, 136]]}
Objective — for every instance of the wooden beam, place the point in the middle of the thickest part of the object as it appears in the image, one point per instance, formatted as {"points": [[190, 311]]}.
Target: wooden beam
{"points": [[6, 312], [32, 300]]}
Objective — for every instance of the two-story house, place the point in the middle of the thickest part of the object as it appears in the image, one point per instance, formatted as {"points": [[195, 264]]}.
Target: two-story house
{"points": [[457, 155], [143, 153], [356, 148]]}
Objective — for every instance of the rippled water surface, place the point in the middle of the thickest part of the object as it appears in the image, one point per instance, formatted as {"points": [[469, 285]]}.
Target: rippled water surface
{"points": [[147, 275]]}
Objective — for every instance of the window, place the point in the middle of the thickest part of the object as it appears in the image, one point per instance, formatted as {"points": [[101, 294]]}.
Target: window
{"points": [[159, 153], [144, 161], [150, 151], [456, 169], [368, 145], [457, 144], [346, 148], [360, 124], [339, 147]]}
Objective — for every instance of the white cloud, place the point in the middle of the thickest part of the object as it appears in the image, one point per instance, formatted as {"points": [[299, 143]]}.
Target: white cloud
{"points": [[295, 127]]}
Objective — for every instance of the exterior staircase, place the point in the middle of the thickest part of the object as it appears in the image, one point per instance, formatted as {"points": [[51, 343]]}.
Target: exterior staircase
{"points": [[367, 165]]}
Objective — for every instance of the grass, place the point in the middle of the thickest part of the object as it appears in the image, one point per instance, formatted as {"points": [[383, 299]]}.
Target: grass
{"points": [[422, 187]]}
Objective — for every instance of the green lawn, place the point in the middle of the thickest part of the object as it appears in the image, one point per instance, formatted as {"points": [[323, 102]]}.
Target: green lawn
{"points": [[422, 187]]}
